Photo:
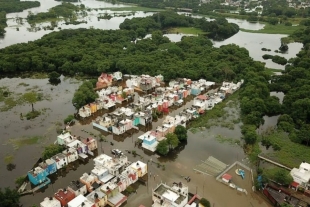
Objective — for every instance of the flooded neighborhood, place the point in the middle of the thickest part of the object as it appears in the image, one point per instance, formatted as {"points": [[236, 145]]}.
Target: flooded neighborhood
{"points": [[111, 152]]}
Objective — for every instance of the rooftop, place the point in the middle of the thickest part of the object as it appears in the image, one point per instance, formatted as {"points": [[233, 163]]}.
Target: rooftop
{"points": [[138, 164], [64, 195], [36, 171], [117, 199], [147, 136], [58, 157], [87, 178], [76, 185], [96, 194], [75, 144], [50, 202], [79, 201], [176, 193]]}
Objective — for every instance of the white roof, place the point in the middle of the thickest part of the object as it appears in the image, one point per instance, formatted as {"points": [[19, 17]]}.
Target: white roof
{"points": [[305, 166], [101, 159], [75, 143], [147, 136], [50, 203], [138, 164], [77, 202], [170, 195], [300, 175], [64, 136]]}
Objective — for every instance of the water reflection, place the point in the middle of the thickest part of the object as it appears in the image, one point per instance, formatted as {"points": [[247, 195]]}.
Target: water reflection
{"points": [[254, 42]]}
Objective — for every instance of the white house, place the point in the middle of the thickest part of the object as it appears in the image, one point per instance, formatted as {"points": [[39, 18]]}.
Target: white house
{"points": [[50, 202], [61, 160], [65, 138], [164, 195], [149, 141], [80, 201], [114, 165], [71, 154], [139, 167], [79, 146], [77, 188], [301, 175], [102, 174], [119, 128]]}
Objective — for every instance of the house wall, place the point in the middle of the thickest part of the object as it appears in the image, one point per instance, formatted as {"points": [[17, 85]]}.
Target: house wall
{"points": [[81, 191], [52, 168], [39, 178]]}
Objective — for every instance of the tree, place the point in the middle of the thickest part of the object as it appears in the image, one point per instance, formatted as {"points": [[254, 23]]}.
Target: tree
{"points": [[31, 98], [54, 77], [249, 134], [163, 147], [205, 202], [51, 150], [283, 177], [9, 198], [172, 140], [181, 133]]}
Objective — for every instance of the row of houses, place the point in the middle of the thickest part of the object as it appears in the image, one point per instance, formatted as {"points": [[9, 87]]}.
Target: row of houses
{"points": [[110, 95], [103, 186], [201, 103], [75, 149]]}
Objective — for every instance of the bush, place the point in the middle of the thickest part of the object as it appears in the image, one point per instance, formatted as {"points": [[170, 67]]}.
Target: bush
{"points": [[181, 133], [68, 119], [205, 202], [20, 180], [32, 114], [266, 56], [280, 60]]}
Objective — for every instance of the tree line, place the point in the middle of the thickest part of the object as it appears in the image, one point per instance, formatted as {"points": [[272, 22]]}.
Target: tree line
{"points": [[219, 29], [10, 6]]}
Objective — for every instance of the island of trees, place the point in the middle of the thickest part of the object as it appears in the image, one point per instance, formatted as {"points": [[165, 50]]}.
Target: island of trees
{"points": [[9, 6], [64, 10], [218, 29]]}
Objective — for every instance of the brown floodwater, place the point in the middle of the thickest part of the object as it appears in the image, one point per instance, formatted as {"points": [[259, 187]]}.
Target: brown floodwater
{"points": [[57, 107], [181, 161]]}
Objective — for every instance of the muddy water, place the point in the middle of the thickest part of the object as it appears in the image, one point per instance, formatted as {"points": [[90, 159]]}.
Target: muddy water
{"points": [[179, 162], [57, 107]]}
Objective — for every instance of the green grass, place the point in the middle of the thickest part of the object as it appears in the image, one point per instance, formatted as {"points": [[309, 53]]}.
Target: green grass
{"points": [[291, 154], [8, 159], [275, 29], [231, 141], [186, 30], [24, 141], [133, 8]]}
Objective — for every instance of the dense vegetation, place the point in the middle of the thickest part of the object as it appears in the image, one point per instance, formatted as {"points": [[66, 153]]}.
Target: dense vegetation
{"points": [[65, 10], [295, 83], [10, 6], [2, 23], [219, 29], [9, 198]]}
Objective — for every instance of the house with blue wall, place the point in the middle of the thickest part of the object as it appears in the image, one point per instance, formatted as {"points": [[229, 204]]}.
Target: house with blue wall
{"points": [[49, 166], [37, 175], [149, 141]]}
